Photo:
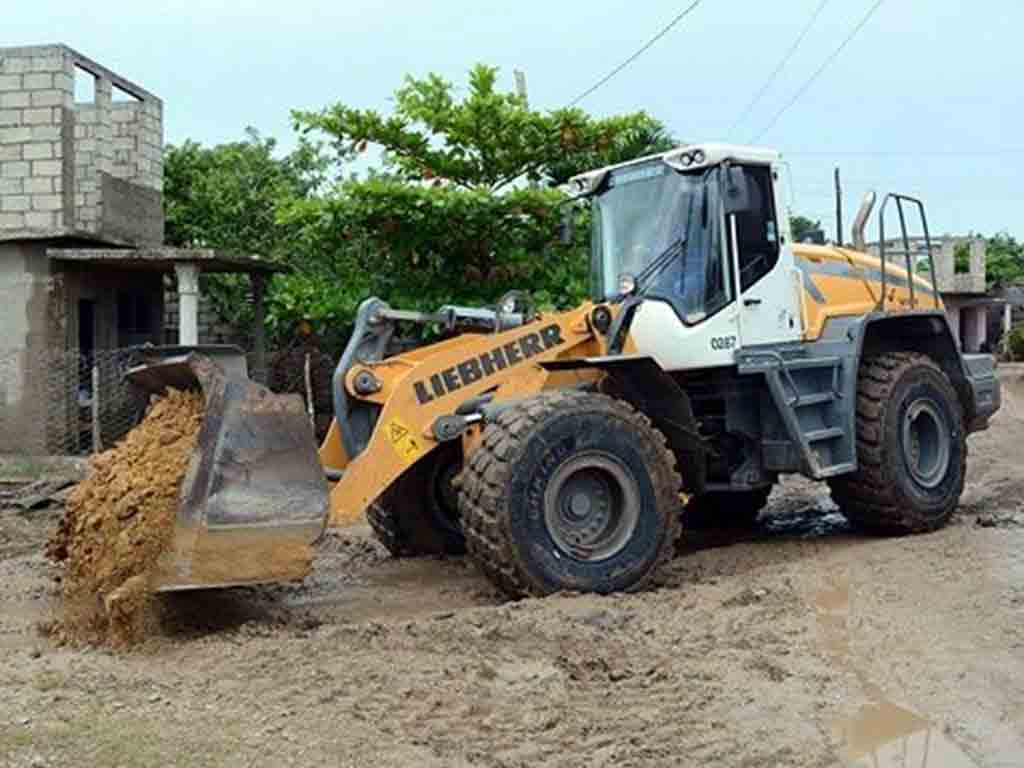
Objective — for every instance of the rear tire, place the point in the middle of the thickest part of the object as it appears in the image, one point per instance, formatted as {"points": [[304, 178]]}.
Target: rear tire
{"points": [[911, 448], [570, 490], [418, 513], [725, 509]]}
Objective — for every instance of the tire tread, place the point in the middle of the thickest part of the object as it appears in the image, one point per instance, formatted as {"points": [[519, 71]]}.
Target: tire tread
{"points": [[866, 497], [488, 472]]}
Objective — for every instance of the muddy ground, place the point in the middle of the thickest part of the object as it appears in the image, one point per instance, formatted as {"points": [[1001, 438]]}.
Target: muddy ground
{"points": [[801, 644]]}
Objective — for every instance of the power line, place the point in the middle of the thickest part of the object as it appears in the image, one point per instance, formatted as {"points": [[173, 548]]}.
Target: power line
{"points": [[782, 63], [664, 31], [999, 152], [810, 81]]}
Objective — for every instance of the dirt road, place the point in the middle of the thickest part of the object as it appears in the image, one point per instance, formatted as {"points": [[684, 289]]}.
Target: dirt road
{"points": [[801, 644]]}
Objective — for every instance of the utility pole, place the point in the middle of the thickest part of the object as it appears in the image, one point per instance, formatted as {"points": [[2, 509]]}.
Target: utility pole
{"points": [[521, 86], [521, 92], [839, 209]]}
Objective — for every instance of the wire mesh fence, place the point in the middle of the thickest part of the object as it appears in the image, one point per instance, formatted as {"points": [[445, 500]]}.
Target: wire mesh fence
{"points": [[77, 402], [65, 401]]}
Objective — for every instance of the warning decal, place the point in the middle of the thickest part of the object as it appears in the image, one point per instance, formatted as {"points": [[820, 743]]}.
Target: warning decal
{"points": [[407, 445]]}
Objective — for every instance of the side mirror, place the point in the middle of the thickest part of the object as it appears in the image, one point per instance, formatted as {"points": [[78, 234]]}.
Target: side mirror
{"points": [[567, 226], [737, 196]]}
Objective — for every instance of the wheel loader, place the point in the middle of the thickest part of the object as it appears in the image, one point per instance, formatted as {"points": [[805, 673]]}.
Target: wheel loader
{"points": [[563, 450]]}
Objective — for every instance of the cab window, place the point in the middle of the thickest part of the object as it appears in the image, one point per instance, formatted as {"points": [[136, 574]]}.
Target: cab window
{"points": [[757, 230]]}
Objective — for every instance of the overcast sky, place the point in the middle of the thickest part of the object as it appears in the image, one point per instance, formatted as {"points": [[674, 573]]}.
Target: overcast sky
{"points": [[928, 99]]}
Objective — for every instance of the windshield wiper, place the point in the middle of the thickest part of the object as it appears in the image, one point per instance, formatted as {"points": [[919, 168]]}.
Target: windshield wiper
{"points": [[658, 265]]}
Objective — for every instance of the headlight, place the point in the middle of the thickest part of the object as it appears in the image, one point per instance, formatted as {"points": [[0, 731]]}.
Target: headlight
{"points": [[627, 284], [681, 159]]}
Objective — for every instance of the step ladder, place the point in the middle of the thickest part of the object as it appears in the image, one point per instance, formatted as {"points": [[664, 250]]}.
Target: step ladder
{"points": [[808, 396]]}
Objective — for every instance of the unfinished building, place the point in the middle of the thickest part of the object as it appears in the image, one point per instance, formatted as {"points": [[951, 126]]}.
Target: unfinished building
{"points": [[82, 261]]}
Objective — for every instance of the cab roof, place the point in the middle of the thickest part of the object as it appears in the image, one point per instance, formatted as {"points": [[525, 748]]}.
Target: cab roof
{"points": [[684, 157]]}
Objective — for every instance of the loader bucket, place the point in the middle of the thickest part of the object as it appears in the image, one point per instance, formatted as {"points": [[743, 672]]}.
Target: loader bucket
{"points": [[254, 497]]}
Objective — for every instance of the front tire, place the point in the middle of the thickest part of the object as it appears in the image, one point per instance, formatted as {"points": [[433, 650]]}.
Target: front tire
{"points": [[570, 490], [911, 448]]}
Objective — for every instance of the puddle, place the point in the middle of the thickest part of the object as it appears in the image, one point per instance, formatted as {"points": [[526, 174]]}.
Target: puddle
{"points": [[880, 734], [884, 735], [820, 520]]}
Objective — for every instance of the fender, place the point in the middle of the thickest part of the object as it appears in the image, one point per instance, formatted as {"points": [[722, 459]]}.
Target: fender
{"points": [[643, 383], [928, 331]]}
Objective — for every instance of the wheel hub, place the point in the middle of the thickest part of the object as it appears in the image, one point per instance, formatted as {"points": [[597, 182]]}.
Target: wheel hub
{"points": [[926, 442], [580, 505], [591, 506]]}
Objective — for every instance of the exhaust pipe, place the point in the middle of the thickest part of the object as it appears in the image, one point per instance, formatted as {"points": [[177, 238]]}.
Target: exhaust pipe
{"points": [[861, 220]]}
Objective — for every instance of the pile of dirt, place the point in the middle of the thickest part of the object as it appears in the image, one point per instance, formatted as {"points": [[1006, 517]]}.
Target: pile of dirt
{"points": [[118, 522]]}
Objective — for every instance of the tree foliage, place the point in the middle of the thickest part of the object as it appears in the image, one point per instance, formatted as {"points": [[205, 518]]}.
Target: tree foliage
{"points": [[1004, 262], [802, 227], [488, 139], [1014, 343], [226, 197], [465, 207]]}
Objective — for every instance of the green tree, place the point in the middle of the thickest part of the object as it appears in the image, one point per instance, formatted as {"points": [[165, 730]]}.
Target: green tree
{"points": [[802, 227], [464, 208], [488, 139], [1004, 263], [226, 197]]}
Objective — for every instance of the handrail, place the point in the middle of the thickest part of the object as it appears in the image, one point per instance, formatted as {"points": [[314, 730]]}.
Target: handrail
{"points": [[778, 358], [911, 272]]}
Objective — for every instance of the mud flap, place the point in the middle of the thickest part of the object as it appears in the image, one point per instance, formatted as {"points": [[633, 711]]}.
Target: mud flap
{"points": [[254, 498]]}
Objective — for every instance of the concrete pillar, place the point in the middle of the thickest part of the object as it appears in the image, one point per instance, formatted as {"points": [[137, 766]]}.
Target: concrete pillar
{"points": [[104, 158], [974, 328], [1007, 318], [188, 303], [981, 326], [944, 268], [259, 348], [977, 257]]}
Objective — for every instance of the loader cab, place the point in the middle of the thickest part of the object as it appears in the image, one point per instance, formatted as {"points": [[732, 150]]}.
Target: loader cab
{"points": [[697, 234]]}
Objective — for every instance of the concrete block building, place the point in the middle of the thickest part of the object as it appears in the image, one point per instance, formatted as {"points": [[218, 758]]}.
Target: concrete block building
{"points": [[965, 293], [83, 266], [77, 169]]}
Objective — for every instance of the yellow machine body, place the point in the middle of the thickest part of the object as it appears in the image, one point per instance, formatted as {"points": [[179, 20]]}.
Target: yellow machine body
{"points": [[840, 282], [836, 282], [403, 436]]}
